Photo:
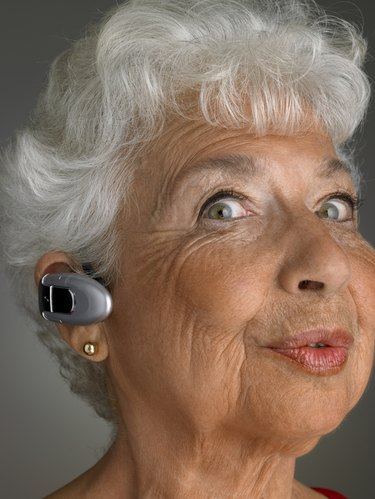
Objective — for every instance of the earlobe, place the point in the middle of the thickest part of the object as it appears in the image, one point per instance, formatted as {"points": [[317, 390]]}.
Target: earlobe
{"points": [[88, 341]]}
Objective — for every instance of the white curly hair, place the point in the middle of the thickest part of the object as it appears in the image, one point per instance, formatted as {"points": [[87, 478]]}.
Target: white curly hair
{"points": [[66, 177]]}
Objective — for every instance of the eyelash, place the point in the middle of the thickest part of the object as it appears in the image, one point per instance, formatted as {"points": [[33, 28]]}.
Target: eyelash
{"points": [[220, 195], [355, 202]]}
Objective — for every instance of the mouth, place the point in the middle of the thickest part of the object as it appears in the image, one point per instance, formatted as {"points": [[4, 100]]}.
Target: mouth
{"points": [[319, 351]]}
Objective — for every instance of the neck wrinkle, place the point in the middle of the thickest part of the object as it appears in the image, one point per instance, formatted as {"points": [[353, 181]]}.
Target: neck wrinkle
{"points": [[150, 462]]}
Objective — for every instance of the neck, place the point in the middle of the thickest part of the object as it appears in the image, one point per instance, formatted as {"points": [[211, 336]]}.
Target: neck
{"points": [[155, 460]]}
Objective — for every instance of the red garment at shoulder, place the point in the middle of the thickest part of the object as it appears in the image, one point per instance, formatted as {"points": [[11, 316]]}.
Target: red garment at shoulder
{"points": [[329, 493]]}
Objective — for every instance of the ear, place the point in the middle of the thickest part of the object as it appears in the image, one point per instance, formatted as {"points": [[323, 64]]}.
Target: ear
{"points": [[75, 336]]}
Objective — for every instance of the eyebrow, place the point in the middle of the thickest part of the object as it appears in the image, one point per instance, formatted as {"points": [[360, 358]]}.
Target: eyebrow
{"points": [[250, 166], [334, 166], [237, 164]]}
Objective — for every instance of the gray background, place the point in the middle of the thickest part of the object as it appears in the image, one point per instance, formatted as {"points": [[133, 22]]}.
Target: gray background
{"points": [[48, 436]]}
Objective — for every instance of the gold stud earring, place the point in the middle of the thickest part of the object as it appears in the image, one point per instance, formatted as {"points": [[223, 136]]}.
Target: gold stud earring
{"points": [[90, 348]]}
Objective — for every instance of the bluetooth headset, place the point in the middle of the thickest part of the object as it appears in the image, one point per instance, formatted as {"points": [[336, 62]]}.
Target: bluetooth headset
{"points": [[70, 298]]}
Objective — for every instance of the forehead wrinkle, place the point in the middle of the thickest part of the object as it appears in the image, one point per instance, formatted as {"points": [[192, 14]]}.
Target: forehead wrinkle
{"points": [[247, 166]]}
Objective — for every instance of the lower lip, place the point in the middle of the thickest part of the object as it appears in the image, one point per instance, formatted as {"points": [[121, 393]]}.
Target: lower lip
{"points": [[319, 360]]}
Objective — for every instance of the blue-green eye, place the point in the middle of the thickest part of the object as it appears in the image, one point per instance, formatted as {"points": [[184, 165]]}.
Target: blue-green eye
{"points": [[224, 206], [336, 209]]}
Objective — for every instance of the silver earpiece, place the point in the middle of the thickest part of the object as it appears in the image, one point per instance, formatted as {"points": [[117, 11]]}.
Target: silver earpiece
{"points": [[72, 298]]}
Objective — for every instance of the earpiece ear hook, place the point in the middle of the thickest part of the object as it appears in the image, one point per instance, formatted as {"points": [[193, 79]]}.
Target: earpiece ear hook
{"points": [[72, 298], [89, 270]]}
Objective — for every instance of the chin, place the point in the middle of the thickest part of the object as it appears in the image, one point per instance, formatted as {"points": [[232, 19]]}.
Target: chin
{"points": [[298, 440], [296, 422]]}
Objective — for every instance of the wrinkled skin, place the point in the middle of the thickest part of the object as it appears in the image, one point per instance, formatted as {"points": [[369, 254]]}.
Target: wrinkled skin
{"points": [[205, 410]]}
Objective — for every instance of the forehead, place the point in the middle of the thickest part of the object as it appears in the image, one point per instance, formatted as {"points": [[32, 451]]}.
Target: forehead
{"points": [[190, 148]]}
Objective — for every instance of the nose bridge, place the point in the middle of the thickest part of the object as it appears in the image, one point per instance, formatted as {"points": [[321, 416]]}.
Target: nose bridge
{"points": [[312, 258]]}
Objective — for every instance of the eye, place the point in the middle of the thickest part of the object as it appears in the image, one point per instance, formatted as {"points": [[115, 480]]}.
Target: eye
{"points": [[224, 205], [339, 208]]}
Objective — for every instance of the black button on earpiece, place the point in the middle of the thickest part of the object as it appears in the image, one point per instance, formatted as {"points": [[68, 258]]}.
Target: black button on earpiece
{"points": [[62, 300]]}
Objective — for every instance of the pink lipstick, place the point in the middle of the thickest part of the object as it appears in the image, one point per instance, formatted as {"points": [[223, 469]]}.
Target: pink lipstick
{"points": [[317, 350]]}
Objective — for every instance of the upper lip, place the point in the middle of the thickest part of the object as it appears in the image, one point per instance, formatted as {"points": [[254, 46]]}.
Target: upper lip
{"points": [[331, 337]]}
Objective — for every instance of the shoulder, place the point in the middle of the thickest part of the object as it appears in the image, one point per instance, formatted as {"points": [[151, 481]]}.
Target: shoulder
{"points": [[69, 491], [331, 494], [301, 491], [72, 490]]}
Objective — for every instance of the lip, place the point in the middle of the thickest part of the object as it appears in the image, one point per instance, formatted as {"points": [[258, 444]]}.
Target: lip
{"points": [[328, 359], [331, 337]]}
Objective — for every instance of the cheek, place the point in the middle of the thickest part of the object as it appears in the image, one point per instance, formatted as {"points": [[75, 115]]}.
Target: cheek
{"points": [[183, 324], [222, 287], [225, 285], [361, 290]]}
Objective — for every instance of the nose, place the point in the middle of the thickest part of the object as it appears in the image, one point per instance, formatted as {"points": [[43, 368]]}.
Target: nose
{"points": [[312, 260]]}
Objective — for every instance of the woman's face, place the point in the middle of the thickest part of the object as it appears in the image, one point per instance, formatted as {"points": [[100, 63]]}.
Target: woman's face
{"points": [[232, 244]]}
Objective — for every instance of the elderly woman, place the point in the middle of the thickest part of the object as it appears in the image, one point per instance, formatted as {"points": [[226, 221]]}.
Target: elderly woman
{"points": [[188, 165]]}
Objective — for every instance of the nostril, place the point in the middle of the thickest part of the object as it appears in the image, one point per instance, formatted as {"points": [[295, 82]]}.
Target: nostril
{"points": [[312, 285]]}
